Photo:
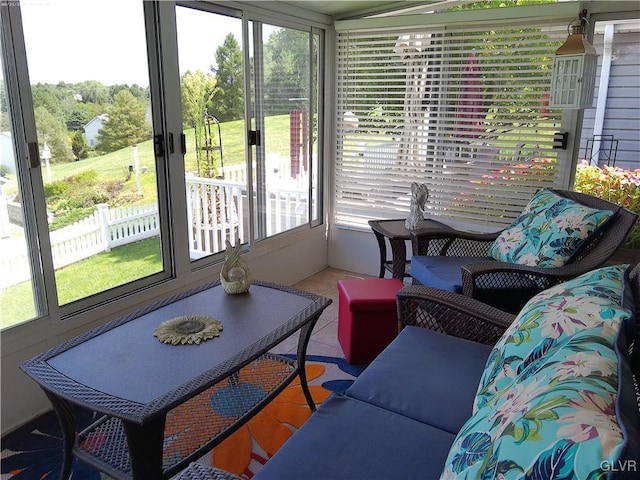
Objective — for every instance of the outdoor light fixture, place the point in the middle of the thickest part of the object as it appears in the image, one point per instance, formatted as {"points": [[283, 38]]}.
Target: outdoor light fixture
{"points": [[574, 69]]}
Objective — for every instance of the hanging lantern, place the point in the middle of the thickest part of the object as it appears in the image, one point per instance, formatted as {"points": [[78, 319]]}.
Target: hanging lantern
{"points": [[574, 70]]}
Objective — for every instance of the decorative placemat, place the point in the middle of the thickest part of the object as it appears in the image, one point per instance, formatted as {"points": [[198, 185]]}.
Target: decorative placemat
{"points": [[188, 329]]}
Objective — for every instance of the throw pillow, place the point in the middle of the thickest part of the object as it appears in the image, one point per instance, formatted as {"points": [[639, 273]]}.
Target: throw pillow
{"points": [[557, 423], [548, 320], [570, 412], [548, 232]]}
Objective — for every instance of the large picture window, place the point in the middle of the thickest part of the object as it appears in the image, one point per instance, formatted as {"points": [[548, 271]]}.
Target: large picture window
{"points": [[148, 151]]}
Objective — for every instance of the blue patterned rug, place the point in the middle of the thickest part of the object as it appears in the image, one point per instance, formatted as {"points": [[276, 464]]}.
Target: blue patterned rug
{"points": [[34, 451]]}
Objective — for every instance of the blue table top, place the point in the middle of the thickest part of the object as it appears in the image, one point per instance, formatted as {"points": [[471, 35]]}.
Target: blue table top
{"points": [[122, 362]]}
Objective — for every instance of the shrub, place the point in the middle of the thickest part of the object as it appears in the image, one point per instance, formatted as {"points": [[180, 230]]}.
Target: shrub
{"points": [[70, 217], [55, 189], [616, 185], [75, 197]]}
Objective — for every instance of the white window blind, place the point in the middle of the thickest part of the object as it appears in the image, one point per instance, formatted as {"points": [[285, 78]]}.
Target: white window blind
{"points": [[462, 110]]}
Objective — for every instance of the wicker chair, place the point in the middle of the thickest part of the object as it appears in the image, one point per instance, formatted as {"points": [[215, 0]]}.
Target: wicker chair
{"points": [[462, 259], [471, 319], [451, 313]]}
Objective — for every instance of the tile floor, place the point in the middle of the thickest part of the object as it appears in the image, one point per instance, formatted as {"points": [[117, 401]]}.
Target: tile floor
{"points": [[324, 339]]}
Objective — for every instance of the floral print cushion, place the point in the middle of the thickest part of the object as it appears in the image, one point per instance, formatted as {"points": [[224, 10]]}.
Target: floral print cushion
{"points": [[547, 322], [559, 423], [548, 232], [558, 417]]}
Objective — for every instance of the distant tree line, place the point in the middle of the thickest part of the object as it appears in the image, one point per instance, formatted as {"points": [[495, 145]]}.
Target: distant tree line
{"points": [[220, 92], [286, 72], [63, 109]]}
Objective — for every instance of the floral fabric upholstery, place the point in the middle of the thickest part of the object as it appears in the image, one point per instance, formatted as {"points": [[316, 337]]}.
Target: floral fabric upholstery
{"points": [[546, 405], [548, 232], [548, 320]]}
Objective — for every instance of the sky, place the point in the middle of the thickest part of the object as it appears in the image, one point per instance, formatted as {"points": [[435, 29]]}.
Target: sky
{"points": [[77, 40]]}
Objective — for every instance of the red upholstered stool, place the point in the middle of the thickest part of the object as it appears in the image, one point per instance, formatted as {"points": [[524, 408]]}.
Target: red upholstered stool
{"points": [[367, 316]]}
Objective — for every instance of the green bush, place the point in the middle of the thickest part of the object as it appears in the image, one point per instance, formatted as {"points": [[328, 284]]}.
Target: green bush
{"points": [[75, 197], [88, 177], [616, 185], [55, 188], [70, 218]]}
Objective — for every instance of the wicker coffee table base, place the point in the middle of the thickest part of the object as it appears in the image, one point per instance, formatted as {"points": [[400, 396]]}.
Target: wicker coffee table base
{"points": [[195, 426]]}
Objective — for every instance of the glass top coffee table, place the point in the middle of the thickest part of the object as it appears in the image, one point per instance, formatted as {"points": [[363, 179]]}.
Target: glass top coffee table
{"points": [[163, 406]]}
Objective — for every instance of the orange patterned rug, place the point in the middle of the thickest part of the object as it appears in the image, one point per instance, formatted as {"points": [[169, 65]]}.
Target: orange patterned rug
{"points": [[248, 449]]}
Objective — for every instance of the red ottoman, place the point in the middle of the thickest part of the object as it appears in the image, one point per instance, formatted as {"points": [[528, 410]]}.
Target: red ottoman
{"points": [[367, 316]]}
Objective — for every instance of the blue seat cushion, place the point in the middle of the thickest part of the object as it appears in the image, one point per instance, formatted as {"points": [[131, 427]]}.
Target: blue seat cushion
{"points": [[441, 271], [346, 439], [437, 374]]}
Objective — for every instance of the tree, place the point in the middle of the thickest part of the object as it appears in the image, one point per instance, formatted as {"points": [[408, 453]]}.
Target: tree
{"points": [[286, 67], [52, 130], [228, 99], [198, 88], [79, 145], [126, 124], [57, 99], [93, 91], [78, 117]]}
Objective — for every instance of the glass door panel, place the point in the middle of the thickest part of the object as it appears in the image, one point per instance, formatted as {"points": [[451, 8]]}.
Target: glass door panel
{"points": [[290, 129], [211, 79], [17, 299], [90, 87]]}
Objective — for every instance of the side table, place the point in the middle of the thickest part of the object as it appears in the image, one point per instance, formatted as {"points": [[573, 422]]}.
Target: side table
{"points": [[395, 231]]}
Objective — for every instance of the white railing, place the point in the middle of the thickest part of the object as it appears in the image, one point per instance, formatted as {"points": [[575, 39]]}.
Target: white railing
{"points": [[287, 209], [108, 228], [216, 211]]}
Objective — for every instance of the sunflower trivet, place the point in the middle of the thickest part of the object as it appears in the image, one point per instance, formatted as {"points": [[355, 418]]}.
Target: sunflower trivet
{"points": [[188, 329]]}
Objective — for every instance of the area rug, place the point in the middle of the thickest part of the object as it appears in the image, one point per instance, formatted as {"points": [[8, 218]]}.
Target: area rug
{"points": [[34, 451]]}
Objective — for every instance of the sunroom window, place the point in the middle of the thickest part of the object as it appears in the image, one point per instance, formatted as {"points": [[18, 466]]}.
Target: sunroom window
{"points": [[462, 108]]}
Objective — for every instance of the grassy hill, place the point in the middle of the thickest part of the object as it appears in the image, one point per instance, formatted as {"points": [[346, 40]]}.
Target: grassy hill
{"points": [[114, 166]]}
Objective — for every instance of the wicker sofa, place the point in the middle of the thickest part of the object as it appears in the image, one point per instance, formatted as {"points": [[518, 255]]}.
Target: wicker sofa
{"points": [[469, 391]]}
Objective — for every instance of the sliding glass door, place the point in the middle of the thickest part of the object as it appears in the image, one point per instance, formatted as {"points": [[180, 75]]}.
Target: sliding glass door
{"points": [[92, 168], [19, 269], [161, 128], [211, 66], [248, 135]]}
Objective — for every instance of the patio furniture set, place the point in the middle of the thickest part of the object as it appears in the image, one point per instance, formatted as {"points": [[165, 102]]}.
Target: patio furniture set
{"points": [[506, 397], [467, 390], [456, 387]]}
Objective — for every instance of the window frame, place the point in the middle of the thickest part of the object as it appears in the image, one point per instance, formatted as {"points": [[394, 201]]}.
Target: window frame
{"points": [[180, 272]]}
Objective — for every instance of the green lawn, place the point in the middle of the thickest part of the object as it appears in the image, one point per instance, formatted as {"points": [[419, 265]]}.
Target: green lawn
{"points": [[97, 273], [115, 165]]}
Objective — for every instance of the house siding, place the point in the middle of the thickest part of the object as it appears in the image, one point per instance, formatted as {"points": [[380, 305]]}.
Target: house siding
{"points": [[92, 128], [622, 111]]}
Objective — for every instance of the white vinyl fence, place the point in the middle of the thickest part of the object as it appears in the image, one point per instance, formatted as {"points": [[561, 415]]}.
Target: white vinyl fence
{"points": [[286, 207], [105, 229]]}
